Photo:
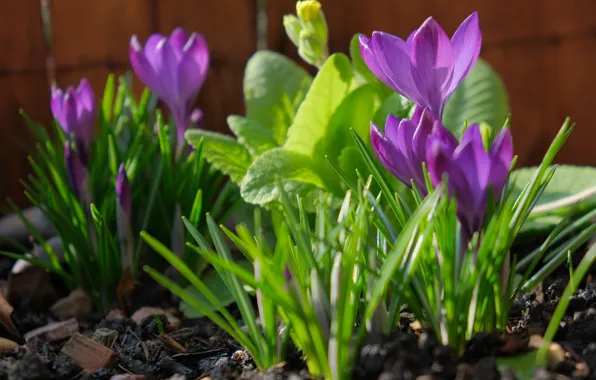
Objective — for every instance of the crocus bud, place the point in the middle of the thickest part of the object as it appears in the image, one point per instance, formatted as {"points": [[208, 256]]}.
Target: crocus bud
{"points": [[174, 68], [123, 195], [309, 31], [473, 173], [75, 111], [77, 172], [123, 217], [402, 147]]}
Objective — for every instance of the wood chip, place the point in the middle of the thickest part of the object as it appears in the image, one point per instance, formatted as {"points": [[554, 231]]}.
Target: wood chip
{"points": [[170, 342], [416, 326], [77, 303], [7, 345], [88, 354], [128, 377], [52, 332]]}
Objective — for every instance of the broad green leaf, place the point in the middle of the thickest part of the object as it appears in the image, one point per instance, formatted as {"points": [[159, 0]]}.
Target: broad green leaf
{"points": [[569, 185], [351, 160], [312, 122], [274, 87], [394, 104], [297, 174], [481, 97], [250, 133], [216, 284], [355, 112], [223, 152]]}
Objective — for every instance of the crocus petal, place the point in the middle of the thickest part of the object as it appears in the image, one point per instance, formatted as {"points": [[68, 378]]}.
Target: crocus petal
{"points": [[432, 64], [191, 74], [473, 160], [501, 156], [123, 193], [68, 119], [141, 65], [392, 58], [56, 102], [466, 44], [177, 40], [388, 154], [86, 95], [152, 49], [438, 161], [423, 131]]}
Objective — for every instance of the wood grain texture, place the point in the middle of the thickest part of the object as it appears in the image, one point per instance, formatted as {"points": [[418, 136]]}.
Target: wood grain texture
{"points": [[97, 33], [21, 37], [545, 50]]}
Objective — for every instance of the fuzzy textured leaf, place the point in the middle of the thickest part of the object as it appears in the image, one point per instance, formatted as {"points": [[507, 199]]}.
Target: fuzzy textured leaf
{"points": [[481, 97], [569, 185], [223, 152], [312, 123], [274, 87], [296, 173], [250, 133]]}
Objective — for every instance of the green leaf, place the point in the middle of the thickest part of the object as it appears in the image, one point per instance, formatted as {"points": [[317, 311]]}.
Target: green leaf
{"points": [[311, 125], [295, 172], [351, 160], [250, 133], [481, 97], [216, 284], [355, 112], [223, 152], [569, 185], [274, 87]]}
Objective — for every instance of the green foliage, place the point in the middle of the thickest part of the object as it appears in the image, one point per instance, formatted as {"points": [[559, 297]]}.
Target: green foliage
{"points": [[571, 188], [480, 98], [464, 289], [163, 187], [295, 129]]}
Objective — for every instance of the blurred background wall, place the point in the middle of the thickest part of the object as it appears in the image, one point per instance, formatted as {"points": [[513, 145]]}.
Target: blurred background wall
{"points": [[545, 51]]}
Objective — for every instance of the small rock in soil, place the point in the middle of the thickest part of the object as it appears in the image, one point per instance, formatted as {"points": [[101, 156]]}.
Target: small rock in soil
{"points": [[33, 285], [12, 227], [75, 305], [105, 336], [128, 377], [30, 367]]}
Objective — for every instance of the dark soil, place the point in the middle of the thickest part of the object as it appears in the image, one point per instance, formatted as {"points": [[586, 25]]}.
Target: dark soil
{"points": [[406, 354]]}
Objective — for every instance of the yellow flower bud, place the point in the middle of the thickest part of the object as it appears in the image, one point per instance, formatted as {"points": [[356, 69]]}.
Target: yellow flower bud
{"points": [[308, 10]]}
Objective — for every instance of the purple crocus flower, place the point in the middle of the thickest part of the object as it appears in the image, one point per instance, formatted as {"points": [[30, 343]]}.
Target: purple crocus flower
{"points": [[472, 172], [123, 217], [402, 148], [75, 111], [123, 196], [76, 170], [174, 68], [427, 67]]}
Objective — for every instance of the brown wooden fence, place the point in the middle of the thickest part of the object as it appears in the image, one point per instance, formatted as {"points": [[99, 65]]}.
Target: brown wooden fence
{"points": [[545, 50]]}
